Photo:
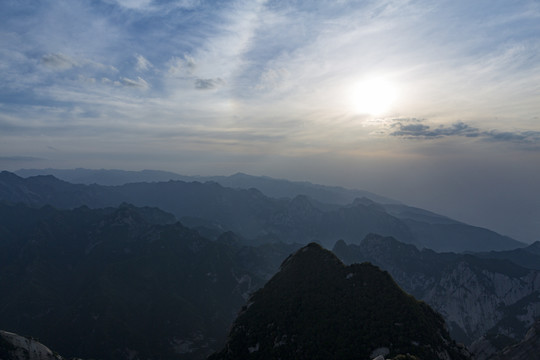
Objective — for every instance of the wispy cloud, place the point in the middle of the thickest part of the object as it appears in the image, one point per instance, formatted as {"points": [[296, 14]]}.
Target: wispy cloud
{"points": [[151, 5], [59, 61], [17, 159], [142, 63], [134, 4], [208, 84], [181, 66], [137, 83]]}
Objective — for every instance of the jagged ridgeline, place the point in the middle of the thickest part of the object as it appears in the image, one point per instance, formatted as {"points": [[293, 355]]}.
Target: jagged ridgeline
{"points": [[315, 307]]}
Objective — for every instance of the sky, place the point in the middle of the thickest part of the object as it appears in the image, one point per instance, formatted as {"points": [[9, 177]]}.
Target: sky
{"points": [[433, 103]]}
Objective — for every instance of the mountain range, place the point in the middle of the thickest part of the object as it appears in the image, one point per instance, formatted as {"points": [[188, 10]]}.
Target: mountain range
{"points": [[93, 276], [82, 279], [276, 188], [213, 209]]}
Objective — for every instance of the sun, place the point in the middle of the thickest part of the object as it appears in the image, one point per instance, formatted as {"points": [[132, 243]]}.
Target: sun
{"points": [[374, 96]]}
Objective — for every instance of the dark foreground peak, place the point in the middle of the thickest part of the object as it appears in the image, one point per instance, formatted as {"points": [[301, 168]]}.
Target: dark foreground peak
{"points": [[315, 307]]}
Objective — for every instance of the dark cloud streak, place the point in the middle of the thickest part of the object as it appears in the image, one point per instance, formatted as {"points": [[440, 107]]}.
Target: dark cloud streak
{"points": [[58, 61], [208, 84], [417, 129], [20, 159]]}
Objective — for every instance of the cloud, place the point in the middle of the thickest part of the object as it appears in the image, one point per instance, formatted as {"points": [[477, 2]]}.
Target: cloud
{"points": [[86, 79], [142, 63], [134, 4], [271, 78], [208, 84], [150, 5], [527, 137], [417, 129], [59, 61], [185, 65], [20, 159], [138, 83]]}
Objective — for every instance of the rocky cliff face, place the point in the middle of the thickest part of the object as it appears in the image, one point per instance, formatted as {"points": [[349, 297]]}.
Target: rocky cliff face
{"points": [[528, 348], [477, 300], [475, 296], [16, 347]]}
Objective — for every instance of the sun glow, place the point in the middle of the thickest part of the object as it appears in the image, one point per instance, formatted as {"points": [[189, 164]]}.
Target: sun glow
{"points": [[374, 96]]}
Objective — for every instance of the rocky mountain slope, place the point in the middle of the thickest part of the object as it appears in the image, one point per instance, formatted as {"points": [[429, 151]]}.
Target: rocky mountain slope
{"points": [[16, 347], [123, 282], [255, 216], [528, 348], [315, 307], [476, 296]]}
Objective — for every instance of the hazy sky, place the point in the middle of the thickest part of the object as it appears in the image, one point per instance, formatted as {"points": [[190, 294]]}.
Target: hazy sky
{"points": [[435, 103]]}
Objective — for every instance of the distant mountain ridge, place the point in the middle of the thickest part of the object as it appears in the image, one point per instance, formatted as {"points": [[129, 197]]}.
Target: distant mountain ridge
{"points": [[271, 187], [108, 177], [528, 256], [261, 218]]}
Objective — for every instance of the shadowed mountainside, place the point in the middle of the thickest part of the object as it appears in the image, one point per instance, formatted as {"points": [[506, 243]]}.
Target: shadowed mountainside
{"points": [[121, 282], [315, 307]]}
